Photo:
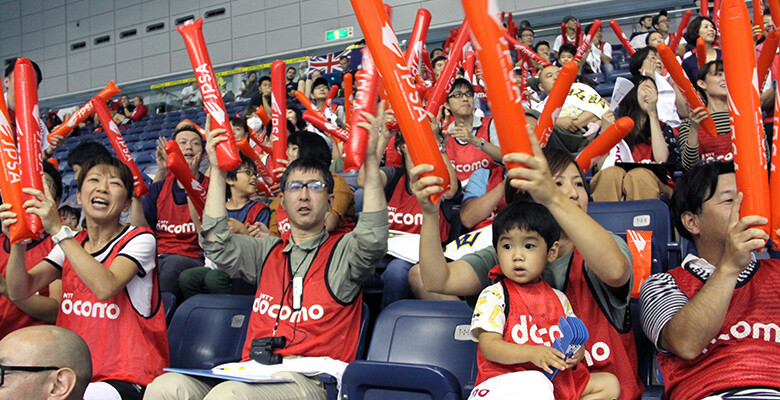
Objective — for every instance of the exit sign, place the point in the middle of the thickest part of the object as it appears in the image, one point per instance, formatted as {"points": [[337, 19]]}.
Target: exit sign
{"points": [[337, 34]]}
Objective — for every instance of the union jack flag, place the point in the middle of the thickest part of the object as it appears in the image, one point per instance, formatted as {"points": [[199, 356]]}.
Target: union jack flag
{"points": [[327, 63]]}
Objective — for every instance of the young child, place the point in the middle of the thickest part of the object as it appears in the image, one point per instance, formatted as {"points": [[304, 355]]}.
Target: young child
{"points": [[70, 216], [566, 53], [516, 319]]}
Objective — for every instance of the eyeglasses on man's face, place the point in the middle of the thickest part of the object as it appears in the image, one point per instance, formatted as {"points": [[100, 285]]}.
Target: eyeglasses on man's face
{"points": [[296, 186], [458, 95]]}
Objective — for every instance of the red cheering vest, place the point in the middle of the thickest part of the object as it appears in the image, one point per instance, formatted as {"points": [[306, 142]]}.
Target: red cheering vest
{"points": [[609, 349], [283, 224], [125, 345], [746, 350], [175, 230], [467, 158], [11, 316], [404, 211], [323, 327], [254, 210], [496, 178], [532, 311], [715, 148]]}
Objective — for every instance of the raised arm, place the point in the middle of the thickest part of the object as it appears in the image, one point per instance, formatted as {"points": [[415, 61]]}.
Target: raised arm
{"points": [[373, 181]]}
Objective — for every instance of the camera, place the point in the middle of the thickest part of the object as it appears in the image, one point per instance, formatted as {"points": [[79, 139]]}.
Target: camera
{"points": [[262, 350]]}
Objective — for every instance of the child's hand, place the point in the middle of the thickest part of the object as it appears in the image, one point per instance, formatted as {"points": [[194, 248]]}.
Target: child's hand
{"points": [[576, 358], [545, 357]]}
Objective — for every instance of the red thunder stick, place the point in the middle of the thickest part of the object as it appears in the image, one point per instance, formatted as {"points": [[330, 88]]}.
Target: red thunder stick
{"points": [[278, 115], [686, 87], [578, 35], [767, 55], [307, 104], [192, 32], [758, 15], [716, 14], [28, 131], [398, 83], [564, 36], [675, 42], [739, 66], [177, 164], [526, 51], [326, 126], [701, 52], [417, 40], [348, 88], [428, 65], [260, 112], [329, 100], [200, 130], [622, 37], [245, 148], [586, 40], [450, 71], [118, 143], [704, 8], [774, 9], [468, 67], [611, 136], [499, 76], [555, 102], [85, 111], [365, 100], [11, 177], [260, 143], [774, 181]]}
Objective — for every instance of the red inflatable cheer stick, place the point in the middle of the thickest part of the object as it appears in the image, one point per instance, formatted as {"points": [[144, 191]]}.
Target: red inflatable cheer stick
{"points": [[758, 15], [278, 115], [704, 8], [177, 164], [701, 52], [11, 178], [564, 36], [555, 102], [448, 74], [326, 126], [227, 154], [197, 127], [260, 112], [774, 9], [307, 104], [85, 111], [417, 40], [767, 55], [28, 131], [774, 181], [428, 65], [365, 100], [329, 100], [348, 88], [398, 83], [686, 87], [585, 44], [260, 143], [118, 143], [622, 37], [675, 42], [245, 148], [739, 66], [716, 14], [611, 136], [499, 76], [578, 35], [526, 51], [468, 67]]}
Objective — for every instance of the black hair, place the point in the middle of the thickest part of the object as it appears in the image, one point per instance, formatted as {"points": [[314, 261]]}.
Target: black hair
{"points": [[187, 128], [246, 162], [557, 161], [306, 165], [311, 145], [523, 29], [66, 209], [629, 107], [263, 79], [695, 187], [240, 122], [461, 82], [658, 17], [9, 68], [527, 216], [290, 67], [702, 76], [56, 177], [437, 59], [567, 48], [540, 43], [636, 61], [300, 124], [112, 162], [647, 37], [692, 32], [86, 151]]}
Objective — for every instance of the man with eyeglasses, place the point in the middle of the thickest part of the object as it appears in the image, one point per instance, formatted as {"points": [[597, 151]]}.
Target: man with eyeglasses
{"points": [[44, 362], [309, 286]]}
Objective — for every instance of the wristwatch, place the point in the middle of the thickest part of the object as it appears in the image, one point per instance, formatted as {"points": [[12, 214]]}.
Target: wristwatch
{"points": [[64, 233], [481, 144]]}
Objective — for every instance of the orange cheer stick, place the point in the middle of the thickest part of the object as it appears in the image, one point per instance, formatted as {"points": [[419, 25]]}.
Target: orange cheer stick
{"points": [[704, 8], [739, 66], [417, 40], [758, 15], [11, 178], [278, 115], [585, 44], [675, 42], [686, 87], [774, 9], [85, 111], [398, 83], [308, 104], [701, 52], [526, 51], [622, 37], [192, 32], [365, 100], [326, 126], [197, 127], [555, 101], [767, 55], [177, 164], [450, 71], [608, 139], [28, 131], [260, 112], [348, 88], [245, 148], [774, 181], [499, 76], [118, 143]]}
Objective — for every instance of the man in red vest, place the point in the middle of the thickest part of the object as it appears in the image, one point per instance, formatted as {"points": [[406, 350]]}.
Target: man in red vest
{"points": [[714, 320], [309, 285]]}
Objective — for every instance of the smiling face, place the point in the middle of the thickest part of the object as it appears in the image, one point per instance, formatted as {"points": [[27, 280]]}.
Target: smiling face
{"points": [[544, 51], [714, 83], [103, 196], [712, 223], [654, 39], [523, 255], [707, 32], [306, 208], [191, 145], [644, 92], [245, 184]]}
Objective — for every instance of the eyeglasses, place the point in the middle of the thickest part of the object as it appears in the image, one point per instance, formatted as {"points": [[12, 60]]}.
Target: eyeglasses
{"points": [[458, 95], [6, 368], [296, 186]]}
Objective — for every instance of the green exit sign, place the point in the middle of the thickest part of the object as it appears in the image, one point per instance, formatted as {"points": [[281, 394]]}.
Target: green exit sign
{"points": [[337, 34]]}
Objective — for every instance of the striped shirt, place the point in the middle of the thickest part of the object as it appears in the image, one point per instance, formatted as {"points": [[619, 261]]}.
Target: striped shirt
{"points": [[690, 154]]}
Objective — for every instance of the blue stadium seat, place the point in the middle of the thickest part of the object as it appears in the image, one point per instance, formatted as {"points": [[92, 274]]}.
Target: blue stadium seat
{"points": [[169, 305], [208, 330], [419, 349], [144, 159]]}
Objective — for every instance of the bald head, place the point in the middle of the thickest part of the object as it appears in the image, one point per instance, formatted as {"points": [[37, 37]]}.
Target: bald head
{"points": [[44, 346]]}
